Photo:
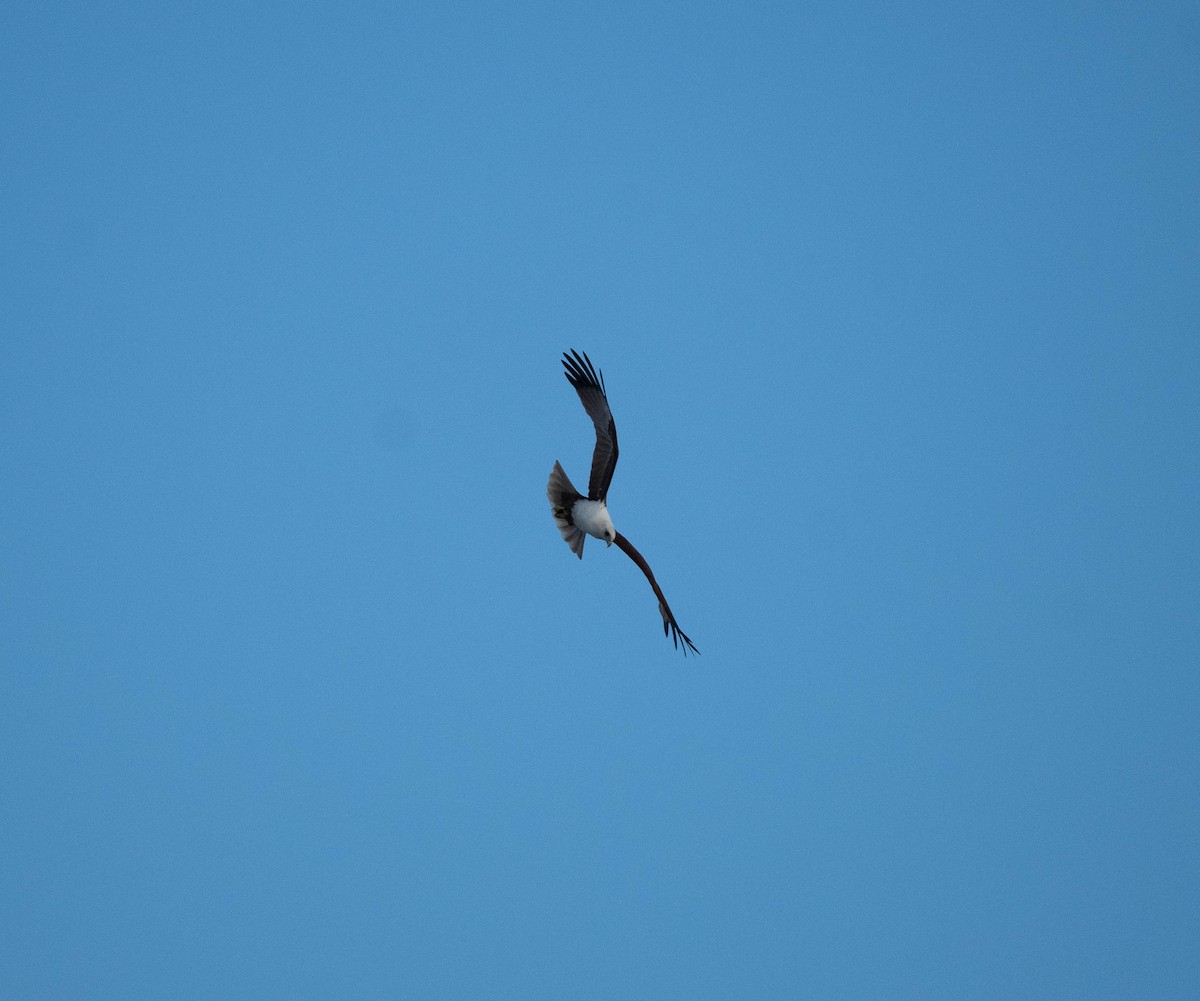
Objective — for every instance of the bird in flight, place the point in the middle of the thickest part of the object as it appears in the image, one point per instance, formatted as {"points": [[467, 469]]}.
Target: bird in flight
{"points": [[576, 514]]}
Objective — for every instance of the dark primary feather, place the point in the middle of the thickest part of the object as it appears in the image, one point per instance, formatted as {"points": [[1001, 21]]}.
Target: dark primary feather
{"points": [[589, 384], [669, 623]]}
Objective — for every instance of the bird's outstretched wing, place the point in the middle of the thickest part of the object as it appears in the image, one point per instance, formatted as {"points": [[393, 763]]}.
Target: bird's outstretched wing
{"points": [[590, 386], [664, 609]]}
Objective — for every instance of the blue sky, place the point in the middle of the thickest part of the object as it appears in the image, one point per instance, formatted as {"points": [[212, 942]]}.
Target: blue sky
{"points": [[301, 695]]}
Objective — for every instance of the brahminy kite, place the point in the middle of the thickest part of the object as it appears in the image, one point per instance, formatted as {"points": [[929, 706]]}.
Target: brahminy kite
{"points": [[576, 514]]}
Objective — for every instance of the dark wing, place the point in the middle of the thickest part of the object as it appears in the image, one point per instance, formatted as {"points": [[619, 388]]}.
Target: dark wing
{"points": [[582, 375], [664, 609]]}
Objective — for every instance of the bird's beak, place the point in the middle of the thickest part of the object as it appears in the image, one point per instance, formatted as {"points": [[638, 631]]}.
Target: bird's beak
{"points": [[608, 542]]}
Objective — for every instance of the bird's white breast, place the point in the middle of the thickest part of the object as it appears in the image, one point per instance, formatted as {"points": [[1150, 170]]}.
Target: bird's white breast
{"points": [[592, 517]]}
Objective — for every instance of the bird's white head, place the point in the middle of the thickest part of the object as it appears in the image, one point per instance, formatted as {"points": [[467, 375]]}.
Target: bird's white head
{"points": [[592, 517], [610, 532]]}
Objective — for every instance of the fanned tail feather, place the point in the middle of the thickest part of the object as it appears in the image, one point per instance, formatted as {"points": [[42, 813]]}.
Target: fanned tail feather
{"points": [[562, 496]]}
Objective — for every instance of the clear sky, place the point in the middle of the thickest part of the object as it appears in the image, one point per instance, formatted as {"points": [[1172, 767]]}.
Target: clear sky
{"points": [[302, 695]]}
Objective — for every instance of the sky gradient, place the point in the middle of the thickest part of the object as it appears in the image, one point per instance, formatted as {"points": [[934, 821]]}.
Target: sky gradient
{"points": [[302, 695]]}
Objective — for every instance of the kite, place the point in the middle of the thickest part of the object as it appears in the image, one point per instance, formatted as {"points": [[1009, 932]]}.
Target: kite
{"points": [[575, 514]]}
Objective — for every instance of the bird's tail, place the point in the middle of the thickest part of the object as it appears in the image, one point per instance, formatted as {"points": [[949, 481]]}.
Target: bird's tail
{"points": [[562, 498]]}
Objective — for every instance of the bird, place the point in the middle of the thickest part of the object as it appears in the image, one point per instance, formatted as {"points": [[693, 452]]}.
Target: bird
{"points": [[578, 516]]}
